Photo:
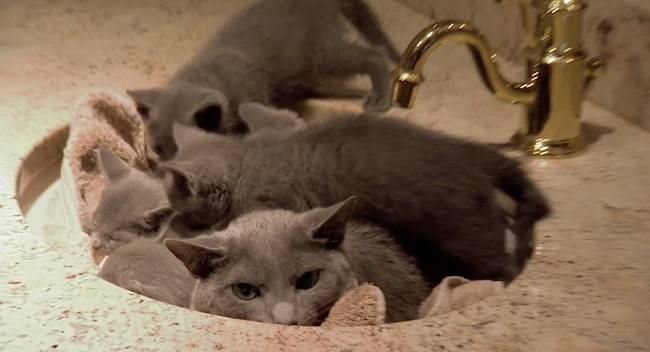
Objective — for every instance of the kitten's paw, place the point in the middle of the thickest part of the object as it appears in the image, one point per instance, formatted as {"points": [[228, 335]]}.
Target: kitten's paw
{"points": [[376, 103]]}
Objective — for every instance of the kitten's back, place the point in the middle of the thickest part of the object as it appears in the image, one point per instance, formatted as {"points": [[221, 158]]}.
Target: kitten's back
{"points": [[421, 184]]}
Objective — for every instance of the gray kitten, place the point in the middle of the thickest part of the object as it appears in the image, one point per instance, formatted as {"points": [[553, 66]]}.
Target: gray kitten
{"points": [[272, 50], [443, 195], [282, 267], [132, 205], [148, 268]]}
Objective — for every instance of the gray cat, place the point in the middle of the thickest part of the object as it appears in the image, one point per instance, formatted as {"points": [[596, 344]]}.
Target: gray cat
{"points": [[282, 267], [273, 50], [443, 195], [133, 204], [148, 268]]}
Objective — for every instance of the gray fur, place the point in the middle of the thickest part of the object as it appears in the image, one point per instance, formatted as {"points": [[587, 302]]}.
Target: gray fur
{"points": [[272, 249], [133, 205], [148, 268], [272, 51], [436, 191]]}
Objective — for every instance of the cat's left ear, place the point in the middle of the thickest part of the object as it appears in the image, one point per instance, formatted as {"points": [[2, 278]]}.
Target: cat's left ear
{"points": [[199, 259], [110, 165], [157, 216], [208, 117], [144, 100], [179, 184], [330, 223], [258, 117]]}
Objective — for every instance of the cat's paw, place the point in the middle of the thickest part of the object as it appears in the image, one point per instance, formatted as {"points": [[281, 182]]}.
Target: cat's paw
{"points": [[376, 103]]}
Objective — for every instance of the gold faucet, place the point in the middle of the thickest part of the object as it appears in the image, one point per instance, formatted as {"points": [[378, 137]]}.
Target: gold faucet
{"points": [[558, 72]]}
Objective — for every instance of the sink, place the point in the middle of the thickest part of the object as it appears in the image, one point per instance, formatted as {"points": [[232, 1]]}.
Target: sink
{"points": [[585, 289]]}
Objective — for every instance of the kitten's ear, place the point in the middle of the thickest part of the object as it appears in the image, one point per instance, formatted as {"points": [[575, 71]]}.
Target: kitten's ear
{"points": [[208, 118], [110, 165], [199, 260], [144, 99], [331, 222], [179, 183], [157, 216], [184, 134], [258, 117]]}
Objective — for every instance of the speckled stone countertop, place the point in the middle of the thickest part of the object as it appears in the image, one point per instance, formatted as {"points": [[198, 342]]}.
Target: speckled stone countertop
{"points": [[587, 288]]}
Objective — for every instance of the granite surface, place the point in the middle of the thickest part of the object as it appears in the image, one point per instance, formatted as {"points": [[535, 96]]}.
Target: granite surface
{"points": [[615, 30], [586, 289]]}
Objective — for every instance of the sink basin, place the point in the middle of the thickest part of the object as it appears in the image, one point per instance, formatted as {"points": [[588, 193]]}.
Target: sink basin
{"points": [[585, 289]]}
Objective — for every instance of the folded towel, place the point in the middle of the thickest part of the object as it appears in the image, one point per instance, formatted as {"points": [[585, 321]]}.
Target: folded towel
{"points": [[363, 305], [110, 120]]}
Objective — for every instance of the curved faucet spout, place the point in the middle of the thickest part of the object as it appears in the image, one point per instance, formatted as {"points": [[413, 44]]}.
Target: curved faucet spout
{"points": [[408, 75]]}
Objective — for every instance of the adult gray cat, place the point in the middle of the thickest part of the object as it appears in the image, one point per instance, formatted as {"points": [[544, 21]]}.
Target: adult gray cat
{"points": [[277, 266], [441, 194], [148, 268], [272, 50]]}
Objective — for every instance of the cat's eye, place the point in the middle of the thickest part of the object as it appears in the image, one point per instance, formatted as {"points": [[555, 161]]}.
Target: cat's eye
{"points": [[245, 292], [308, 280]]}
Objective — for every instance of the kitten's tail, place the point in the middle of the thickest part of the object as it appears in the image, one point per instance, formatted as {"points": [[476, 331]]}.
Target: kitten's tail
{"points": [[530, 206], [365, 21]]}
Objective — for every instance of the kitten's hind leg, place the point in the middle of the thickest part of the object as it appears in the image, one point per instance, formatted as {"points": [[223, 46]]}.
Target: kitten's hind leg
{"points": [[345, 58]]}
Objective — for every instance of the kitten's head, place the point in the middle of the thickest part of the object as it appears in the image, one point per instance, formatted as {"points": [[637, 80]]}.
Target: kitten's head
{"points": [[132, 205], [184, 103], [272, 266], [200, 191], [199, 180]]}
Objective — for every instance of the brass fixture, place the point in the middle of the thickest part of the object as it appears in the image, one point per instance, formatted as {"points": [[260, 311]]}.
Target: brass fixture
{"points": [[558, 72]]}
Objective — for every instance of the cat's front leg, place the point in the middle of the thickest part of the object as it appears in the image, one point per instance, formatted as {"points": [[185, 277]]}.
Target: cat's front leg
{"points": [[345, 58]]}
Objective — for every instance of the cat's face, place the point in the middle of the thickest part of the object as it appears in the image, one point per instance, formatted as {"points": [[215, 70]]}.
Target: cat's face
{"points": [[188, 104], [133, 205], [201, 191], [199, 180], [271, 266], [201, 177]]}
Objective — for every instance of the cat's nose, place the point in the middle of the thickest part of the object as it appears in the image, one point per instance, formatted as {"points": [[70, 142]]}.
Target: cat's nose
{"points": [[165, 151], [284, 313]]}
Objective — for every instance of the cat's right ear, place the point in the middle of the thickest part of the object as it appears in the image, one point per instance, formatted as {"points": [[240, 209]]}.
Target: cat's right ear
{"points": [[110, 165], [199, 260], [144, 100], [184, 135], [331, 223], [179, 184], [258, 117]]}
